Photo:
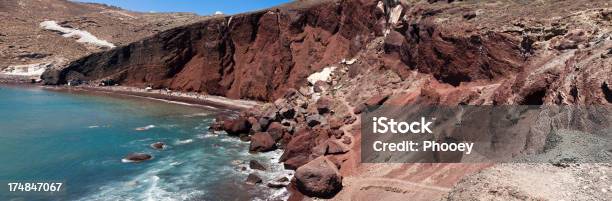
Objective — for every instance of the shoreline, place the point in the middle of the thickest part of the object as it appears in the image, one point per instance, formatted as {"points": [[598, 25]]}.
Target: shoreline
{"points": [[174, 97], [225, 107], [191, 145]]}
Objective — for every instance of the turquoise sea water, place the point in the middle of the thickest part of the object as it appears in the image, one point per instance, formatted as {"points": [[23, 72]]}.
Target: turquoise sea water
{"points": [[80, 139]]}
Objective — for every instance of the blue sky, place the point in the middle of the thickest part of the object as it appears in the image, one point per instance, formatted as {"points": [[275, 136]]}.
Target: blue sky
{"points": [[201, 7]]}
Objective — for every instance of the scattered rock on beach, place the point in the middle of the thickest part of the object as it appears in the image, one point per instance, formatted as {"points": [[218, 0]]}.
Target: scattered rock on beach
{"points": [[287, 113], [276, 131], [256, 165], [335, 147], [314, 120], [323, 105], [282, 179], [274, 184], [279, 183], [262, 142], [136, 157], [236, 126], [253, 179], [264, 122]]}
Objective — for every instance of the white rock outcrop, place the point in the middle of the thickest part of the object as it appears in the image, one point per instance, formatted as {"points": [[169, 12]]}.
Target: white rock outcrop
{"points": [[83, 36]]}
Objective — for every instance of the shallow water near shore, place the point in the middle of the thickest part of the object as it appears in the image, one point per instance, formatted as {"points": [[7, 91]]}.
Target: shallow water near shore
{"points": [[80, 139]]}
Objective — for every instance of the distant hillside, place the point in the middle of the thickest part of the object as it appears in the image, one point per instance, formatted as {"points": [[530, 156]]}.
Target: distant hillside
{"points": [[24, 41]]}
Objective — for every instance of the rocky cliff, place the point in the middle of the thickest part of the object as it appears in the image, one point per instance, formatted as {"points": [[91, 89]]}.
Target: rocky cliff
{"points": [[261, 54], [321, 63], [255, 55]]}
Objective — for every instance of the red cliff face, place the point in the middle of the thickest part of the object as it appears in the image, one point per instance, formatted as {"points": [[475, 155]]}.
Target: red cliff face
{"points": [[259, 55], [255, 56]]}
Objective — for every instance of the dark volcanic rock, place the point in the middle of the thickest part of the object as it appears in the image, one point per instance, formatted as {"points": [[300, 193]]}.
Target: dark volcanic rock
{"points": [[319, 178], [262, 142], [256, 165], [282, 179], [137, 157], [158, 145], [323, 105], [274, 184], [314, 120], [287, 113], [253, 179], [237, 126], [279, 183]]}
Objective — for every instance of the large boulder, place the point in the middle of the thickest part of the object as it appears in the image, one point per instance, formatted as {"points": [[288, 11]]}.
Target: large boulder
{"points": [[319, 178], [262, 142], [276, 131], [237, 126], [298, 150]]}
